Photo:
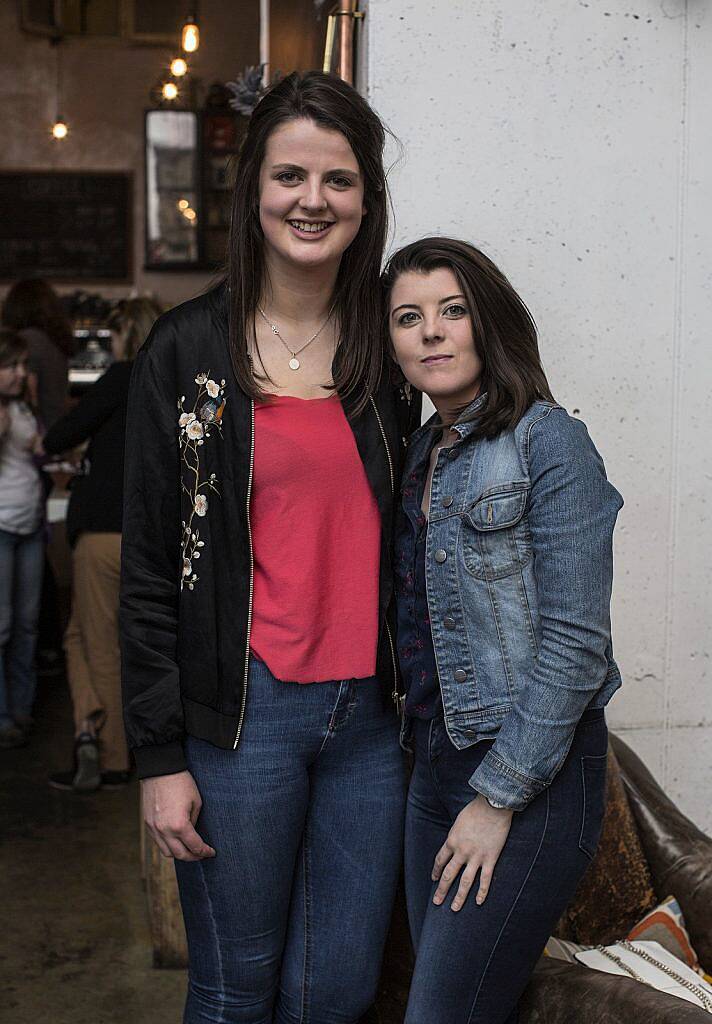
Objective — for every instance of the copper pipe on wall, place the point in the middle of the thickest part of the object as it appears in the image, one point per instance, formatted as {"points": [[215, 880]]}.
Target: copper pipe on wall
{"points": [[341, 24], [346, 40]]}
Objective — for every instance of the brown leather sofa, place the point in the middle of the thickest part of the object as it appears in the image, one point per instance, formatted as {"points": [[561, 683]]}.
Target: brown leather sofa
{"points": [[680, 859]]}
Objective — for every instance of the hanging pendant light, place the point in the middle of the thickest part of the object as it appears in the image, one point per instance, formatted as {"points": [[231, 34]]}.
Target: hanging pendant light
{"points": [[179, 67], [169, 91], [190, 35], [60, 128]]}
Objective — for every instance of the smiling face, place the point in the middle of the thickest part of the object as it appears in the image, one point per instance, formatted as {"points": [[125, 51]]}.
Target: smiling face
{"points": [[13, 377], [431, 331], [311, 195]]}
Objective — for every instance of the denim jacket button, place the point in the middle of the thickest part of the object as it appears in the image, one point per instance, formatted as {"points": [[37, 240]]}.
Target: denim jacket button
{"points": [[448, 622], [447, 501], [440, 555], [460, 675]]}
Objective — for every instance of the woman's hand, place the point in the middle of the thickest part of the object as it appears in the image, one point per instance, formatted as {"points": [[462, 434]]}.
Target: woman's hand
{"points": [[171, 805], [474, 843]]}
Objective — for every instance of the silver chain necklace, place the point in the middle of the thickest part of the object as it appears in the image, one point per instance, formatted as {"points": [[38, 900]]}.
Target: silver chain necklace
{"points": [[294, 363]]}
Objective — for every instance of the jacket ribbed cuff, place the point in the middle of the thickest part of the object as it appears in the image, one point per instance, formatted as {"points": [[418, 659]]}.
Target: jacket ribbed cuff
{"points": [[161, 759]]}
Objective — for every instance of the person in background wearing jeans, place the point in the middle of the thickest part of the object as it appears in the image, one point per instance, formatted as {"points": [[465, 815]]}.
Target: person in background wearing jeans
{"points": [[91, 643], [33, 309], [504, 571], [21, 543]]}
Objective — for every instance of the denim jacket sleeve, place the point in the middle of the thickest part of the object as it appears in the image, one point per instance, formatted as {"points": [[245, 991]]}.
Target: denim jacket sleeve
{"points": [[571, 515], [148, 608]]}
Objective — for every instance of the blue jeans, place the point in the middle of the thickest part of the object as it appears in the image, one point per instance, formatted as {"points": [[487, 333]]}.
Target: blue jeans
{"points": [[288, 922], [472, 966], [21, 568]]}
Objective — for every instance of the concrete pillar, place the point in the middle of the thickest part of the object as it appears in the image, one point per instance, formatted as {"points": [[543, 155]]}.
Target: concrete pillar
{"points": [[571, 141]]}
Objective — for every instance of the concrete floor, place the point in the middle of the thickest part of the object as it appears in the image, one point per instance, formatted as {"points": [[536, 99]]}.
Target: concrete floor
{"points": [[74, 940]]}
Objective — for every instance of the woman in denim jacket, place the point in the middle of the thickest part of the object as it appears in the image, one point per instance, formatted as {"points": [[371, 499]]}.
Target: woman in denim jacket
{"points": [[504, 569]]}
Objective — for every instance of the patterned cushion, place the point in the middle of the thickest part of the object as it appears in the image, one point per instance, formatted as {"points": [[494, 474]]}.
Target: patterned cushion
{"points": [[617, 889], [666, 925]]}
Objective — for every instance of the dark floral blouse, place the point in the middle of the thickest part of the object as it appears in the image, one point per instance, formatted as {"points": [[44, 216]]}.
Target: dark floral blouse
{"points": [[415, 644]]}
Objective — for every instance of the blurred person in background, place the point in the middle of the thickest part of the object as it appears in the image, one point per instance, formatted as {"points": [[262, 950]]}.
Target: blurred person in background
{"points": [[21, 542], [91, 642], [35, 311], [33, 308]]}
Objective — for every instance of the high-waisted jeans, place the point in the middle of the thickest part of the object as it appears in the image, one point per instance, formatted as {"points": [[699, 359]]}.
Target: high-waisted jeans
{"points": [[287, 923], [472, 966]]}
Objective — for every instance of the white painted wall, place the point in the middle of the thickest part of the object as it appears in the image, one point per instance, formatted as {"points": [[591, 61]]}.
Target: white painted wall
{"points": [[571, 140]]}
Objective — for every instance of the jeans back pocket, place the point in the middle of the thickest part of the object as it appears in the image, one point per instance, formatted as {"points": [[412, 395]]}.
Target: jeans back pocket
{"points": [[593, 782]]}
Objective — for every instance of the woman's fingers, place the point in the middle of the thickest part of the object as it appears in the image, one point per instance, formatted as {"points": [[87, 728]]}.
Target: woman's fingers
{"points": [[183, 843], [443, 856], [194, 844], [466, 880], [485, 881], [158, 840], [448, 876]]}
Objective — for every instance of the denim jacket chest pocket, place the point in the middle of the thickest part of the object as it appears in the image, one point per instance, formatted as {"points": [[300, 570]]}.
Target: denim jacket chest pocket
{"points": [[495, 536]]}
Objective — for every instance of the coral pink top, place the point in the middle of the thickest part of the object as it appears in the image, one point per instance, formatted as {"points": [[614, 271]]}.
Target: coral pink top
{"points": [[316, 538]]}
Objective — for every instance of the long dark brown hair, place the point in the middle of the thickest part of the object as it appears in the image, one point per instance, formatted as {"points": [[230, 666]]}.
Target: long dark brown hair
{"points": [[133, 319], [503, 329], [330, 103], [33, 302], [13, 347]]}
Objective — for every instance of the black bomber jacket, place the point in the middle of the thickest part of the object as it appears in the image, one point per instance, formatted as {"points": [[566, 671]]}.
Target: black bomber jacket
{"points": [[187, 572]]}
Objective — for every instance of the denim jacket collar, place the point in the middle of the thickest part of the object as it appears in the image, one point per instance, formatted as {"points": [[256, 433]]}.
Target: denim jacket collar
{"points": [[463, 429]]}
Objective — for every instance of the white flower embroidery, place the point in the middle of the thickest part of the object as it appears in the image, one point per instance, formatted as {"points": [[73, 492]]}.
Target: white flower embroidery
{"points": [[192, 436]]}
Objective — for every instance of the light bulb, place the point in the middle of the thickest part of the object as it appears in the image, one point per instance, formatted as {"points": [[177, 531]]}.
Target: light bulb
{"points": [[179, 67], [190, 36], [183, 204], [189, 214], [60, 129], [169, 91]]}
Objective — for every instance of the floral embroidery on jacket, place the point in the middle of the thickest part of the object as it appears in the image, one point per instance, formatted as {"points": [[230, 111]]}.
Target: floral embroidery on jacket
{"points": [[195, 428]]}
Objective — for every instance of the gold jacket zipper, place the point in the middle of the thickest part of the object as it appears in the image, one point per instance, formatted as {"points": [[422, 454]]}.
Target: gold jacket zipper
{"points": [[397, 698], [385, 444], [252, 574]]}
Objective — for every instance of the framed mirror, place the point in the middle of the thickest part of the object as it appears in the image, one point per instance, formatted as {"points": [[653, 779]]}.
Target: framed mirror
{"points": [[173, 201]]}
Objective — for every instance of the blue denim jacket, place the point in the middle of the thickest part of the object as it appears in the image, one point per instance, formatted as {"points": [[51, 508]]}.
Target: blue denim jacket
{"points": [[519, 569]]}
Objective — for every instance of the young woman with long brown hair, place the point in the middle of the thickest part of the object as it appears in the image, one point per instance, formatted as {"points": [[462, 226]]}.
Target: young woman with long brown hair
{"points": [[33, 308], [504, 569], [264, 440], [21, 542]]}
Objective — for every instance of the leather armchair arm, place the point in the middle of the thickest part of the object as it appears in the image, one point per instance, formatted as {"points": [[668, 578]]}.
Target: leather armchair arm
{"points": [[679, 854], [563, 993]]}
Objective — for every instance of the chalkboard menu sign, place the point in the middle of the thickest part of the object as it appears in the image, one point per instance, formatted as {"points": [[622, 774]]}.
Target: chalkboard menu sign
{"points": [[65, 225]]}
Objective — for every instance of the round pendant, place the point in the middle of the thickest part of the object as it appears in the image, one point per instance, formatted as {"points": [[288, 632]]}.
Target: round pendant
{"points": [[294, 363]]}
